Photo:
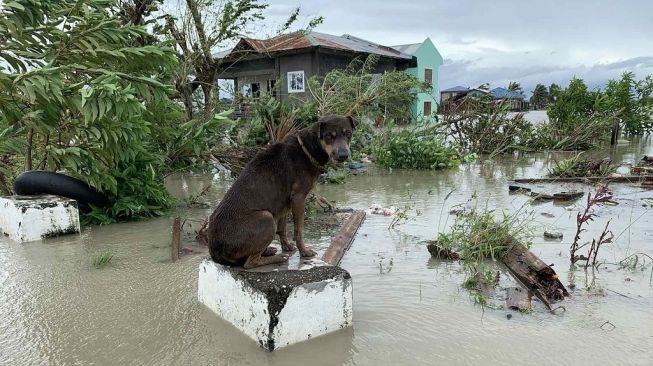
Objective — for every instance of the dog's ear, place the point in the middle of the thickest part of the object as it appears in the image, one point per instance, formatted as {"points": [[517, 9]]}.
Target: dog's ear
{"points": [[352, 121]]}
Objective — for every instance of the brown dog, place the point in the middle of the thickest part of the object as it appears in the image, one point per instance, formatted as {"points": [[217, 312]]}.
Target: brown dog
{"points": [[276, 182]]}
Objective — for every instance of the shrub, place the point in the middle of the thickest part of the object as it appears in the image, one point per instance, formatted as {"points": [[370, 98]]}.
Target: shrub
{"points": [[484, 126], [408, 149]]}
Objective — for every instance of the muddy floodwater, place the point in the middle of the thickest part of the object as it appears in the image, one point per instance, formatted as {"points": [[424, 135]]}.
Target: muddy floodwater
{"points": [[141, 309]]}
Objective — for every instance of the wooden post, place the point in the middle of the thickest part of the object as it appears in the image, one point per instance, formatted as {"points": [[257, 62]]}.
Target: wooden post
{"points": [[176, 238], [343, 239]]}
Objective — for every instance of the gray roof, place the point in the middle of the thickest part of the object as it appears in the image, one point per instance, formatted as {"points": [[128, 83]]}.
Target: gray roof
{"points": [[300, 40], [408, 48], [455, 89]]}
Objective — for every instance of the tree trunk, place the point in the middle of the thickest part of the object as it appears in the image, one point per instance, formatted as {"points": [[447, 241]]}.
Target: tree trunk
{"points": [[209, 103], [28, 153]]}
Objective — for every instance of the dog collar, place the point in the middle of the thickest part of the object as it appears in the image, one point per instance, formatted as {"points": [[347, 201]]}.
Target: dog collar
{"points": [[310, 157]]}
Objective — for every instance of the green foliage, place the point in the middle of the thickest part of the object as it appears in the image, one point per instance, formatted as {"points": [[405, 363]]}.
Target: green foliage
{"points": [[74, 96], [359, 91], [334, 176], [627, 99], [362, 140], [102, 258], [573, 105], [274, 119], [540, 97], [478, 235], [579, 167], [484, 126], [632, 99], [407, 148]]}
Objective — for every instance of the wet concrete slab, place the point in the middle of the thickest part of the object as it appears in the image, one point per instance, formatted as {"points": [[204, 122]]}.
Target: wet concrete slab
{"points": [[278, 307]]}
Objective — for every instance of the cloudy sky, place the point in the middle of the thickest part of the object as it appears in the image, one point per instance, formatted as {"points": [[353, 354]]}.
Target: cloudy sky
{"points": [[498, 41]]}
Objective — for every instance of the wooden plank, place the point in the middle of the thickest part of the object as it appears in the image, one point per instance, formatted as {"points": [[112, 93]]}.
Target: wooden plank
{"points": [[343, 238], [534, 274], [176, 238], [622, 179]]}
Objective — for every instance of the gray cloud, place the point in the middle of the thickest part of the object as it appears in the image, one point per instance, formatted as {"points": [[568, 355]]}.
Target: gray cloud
{"points": [[503, 40]]}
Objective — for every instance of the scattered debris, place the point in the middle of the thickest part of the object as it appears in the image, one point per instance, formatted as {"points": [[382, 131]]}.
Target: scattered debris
{"points": [[548, 214], [483, 282], [518, 298], [377, 209], [556, 235], [567, 196], [647, 202], [515, 188], [440, 252], [578, 167], [536, 275]]}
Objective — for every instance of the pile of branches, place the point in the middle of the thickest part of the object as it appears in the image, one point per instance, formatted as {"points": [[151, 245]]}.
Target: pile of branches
{"points": [[578, 167], [234, 158]]}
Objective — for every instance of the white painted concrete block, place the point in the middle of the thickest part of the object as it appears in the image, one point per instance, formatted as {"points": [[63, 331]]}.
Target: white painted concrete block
{"points": [[280, 308], [28, 218]]}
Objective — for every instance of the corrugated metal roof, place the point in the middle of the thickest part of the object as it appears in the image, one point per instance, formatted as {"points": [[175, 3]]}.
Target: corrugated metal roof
{"points": [[408, 48], [505, 93], [455, 89], [299, 40]]}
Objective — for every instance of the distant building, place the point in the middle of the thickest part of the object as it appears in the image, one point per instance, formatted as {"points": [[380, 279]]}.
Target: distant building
{"points": [[457, 92], [517, 100], [289, 60], [427, 69]]}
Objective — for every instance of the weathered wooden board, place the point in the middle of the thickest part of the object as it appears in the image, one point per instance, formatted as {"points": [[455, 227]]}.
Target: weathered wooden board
{"points": [[534, 274], [343, 238]]}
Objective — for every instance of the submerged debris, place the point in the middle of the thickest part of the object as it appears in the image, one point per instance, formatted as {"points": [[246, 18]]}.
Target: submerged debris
{"points": [[518, 298], [553, 235], [577, 167], [440, 252]]}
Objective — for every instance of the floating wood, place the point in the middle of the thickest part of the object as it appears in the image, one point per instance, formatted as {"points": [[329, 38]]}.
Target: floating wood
{"points": [[518, 298], [620, 179], [441, 253], [176, 238], [535, 275], [567, 196], [343, 238]]}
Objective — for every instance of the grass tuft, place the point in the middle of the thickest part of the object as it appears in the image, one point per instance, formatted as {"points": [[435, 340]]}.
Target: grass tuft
{"points": [[102, 258]]}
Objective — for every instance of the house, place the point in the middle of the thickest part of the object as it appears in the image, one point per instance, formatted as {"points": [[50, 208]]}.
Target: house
{"points": [[283, 64], [427, 69], [457, 92], [517, 100]]}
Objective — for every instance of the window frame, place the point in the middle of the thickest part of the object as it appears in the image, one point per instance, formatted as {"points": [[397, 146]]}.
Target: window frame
{"points": [[290, 75], [430, 81]]}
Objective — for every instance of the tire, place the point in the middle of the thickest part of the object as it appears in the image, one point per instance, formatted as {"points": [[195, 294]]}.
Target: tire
{"points": [[36, 182]]}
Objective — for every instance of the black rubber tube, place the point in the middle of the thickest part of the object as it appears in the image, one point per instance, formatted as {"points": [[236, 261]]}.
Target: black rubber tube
{"points": [[34, 182]]}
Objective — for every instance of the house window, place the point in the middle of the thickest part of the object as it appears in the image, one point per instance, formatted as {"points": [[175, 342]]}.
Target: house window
{"points": [[428, 76], [427, 108], [296, 82]]}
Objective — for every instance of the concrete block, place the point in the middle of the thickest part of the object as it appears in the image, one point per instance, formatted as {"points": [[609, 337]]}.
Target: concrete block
{"points": [[278, 308], [29, 218]]}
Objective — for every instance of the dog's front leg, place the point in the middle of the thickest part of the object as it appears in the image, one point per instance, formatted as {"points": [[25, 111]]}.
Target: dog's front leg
{"points": [[298, 203]]}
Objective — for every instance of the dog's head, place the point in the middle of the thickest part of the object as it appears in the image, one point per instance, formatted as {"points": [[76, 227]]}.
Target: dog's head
{"points": [[334, 133]]}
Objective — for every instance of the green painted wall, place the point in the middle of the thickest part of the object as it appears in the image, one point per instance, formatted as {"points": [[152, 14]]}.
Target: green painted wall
{"points": [[428, 57]]}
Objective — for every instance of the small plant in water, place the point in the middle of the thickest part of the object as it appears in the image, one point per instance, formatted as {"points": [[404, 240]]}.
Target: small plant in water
{"points": [[102, 258], [602, 195]]}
